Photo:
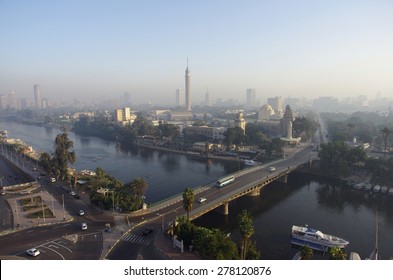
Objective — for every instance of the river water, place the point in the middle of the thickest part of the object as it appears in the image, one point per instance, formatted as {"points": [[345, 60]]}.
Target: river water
{"points": [[324, 204]]}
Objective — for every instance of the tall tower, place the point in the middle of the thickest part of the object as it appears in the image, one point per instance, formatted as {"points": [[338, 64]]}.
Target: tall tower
{"points": [[188, 94], [37, 97], [207, 98]]}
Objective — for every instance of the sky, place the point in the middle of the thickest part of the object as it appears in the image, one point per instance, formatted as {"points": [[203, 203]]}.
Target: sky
{"points": [[97, 50]]}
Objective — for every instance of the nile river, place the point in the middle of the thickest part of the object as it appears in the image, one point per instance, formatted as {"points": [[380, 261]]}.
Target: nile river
{"points": [[324, 204]]}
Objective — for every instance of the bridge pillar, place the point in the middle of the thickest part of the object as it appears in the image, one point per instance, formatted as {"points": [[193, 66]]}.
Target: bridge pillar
{"points": [[283, 179], [255, 192], [225, 208]]}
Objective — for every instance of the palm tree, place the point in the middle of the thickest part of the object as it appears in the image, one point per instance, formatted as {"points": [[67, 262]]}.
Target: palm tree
{"points": [[350, 126], [188, 201], [386, 131], [306, 253], [337, 254], [246, 230]]}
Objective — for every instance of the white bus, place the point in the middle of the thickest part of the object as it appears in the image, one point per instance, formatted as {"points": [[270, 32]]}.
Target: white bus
{"points": [[225, 181]]}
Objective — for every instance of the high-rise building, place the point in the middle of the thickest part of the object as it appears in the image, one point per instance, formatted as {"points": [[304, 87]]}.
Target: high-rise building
{"points": [[188, 94], [250, 97], [37, 97], [207, 99], [179, 98], [276, 103]]}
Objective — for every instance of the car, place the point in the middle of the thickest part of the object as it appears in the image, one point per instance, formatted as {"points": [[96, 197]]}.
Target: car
{"points": [[2, 192], [272, 168], [72, 193], [81, 212], [52, 179], [38, 178], [147, 231], [201, 200], [33, 252], [84, 226]]}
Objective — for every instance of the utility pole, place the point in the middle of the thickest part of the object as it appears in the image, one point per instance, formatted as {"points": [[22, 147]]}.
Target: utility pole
{"points": [[113, 202], [17, 215], [62, 198]]}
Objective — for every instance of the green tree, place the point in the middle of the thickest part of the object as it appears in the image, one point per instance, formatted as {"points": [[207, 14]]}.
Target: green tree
{"points": [[62, 155], [188, 201], [386, 132], [246, 230], [336, 253], [234, 135], [350, 127], [306, 253]]}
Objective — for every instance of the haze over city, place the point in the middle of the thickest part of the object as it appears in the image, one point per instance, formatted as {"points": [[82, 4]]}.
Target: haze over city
{"points": [[92, 50]]}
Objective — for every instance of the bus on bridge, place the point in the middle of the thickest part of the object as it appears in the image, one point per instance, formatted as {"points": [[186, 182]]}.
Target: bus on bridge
{"points": [[225, 181]]}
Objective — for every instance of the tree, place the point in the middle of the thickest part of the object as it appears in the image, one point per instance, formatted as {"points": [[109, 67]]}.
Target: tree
{"points": [[386, 132], [306, 253], [234, 135], [350, 127], [246, 230], [336, 253], [62, 155], [188, 201]]}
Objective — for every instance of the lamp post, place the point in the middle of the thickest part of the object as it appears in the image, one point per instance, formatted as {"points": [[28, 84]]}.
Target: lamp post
{"points": [[62, 198]]}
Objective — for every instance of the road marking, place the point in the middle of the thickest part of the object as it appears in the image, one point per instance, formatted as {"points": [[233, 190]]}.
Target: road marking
{"points": [[61, 256], [133, 238]]}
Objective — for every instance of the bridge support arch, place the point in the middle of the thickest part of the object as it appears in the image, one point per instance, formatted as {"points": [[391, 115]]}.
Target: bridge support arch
{"points": [[255, 192], [283, 179], [223, 209]]}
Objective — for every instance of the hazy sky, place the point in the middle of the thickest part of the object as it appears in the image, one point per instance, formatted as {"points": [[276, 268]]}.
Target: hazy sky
{"points": [[100, 49]]}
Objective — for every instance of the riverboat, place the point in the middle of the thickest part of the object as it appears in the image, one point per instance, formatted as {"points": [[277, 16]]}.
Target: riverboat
{"points": [[250, 162], [315, 239]]}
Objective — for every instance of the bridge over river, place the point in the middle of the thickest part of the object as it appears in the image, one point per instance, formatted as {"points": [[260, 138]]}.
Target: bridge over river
{"points": [[247, 182]]}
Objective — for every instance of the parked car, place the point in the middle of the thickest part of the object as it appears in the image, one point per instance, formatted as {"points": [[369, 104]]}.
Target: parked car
{"points": [[81, 212], [72, 193], [84, 226], [33, 252], [52, 179]]}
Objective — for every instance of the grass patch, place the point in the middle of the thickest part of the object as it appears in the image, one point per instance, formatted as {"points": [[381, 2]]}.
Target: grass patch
{"points": [[47, 211], [33, 200]]}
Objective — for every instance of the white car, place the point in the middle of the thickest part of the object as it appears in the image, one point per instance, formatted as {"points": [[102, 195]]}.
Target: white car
{"points": [[81, 212], [52, 179], [33, 252], [271, 169], [72, 193], [201, 200], [84, 226]]}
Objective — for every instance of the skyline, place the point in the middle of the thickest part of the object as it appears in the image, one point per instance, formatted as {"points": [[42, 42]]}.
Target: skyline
{"points": [[101, 49]]}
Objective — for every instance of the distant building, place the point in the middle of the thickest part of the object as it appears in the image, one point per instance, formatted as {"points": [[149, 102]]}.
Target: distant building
{"points": [[180, 116], [124, 116], [179, 98], [325, 103], [37, 96], [213, 133], [276, 103], [251, 102], [265, 113], [207, 99]]}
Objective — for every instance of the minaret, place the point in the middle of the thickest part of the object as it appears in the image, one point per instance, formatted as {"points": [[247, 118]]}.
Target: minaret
{"points": [[188, 97]]}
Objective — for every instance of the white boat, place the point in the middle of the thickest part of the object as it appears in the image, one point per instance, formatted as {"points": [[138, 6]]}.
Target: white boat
{"points": [[376, 188], [368, 187], [250, 162], [384, 189], [315, 239], [390, 192], [359, 186]]}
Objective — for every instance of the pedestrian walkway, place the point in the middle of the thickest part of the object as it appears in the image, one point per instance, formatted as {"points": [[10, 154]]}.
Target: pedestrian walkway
{"points": [[21, 219]]}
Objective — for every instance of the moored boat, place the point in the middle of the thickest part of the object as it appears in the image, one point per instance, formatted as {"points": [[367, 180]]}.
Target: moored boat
{"points": [[315, 239], [390, 192], [250, 162], [384, 189], [376, 188]]}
